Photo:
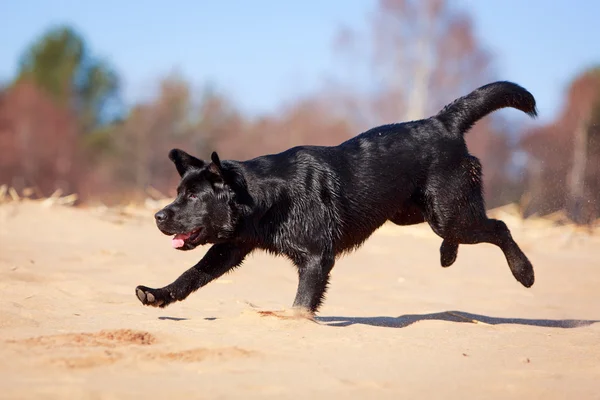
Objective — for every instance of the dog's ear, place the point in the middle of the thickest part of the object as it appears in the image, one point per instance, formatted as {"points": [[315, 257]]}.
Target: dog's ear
{"points": [[217, 172], [214, 157], [227, 176], [183, 161], [215, 167]]}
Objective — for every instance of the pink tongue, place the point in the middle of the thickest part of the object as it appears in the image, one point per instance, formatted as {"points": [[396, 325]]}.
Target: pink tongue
{"points": [[179, 240]]}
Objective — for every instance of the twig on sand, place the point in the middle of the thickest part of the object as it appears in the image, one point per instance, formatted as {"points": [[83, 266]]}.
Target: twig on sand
{"points": [[56, 198], [52, 199], [13, 194], [9, 194], [474, 321]]}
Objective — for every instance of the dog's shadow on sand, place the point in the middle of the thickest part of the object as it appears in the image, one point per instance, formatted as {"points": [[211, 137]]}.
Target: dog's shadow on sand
{"points": [[451, 316]]}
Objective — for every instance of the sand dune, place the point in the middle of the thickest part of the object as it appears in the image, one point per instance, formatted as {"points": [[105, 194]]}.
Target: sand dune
{"points": [[394, 323]]}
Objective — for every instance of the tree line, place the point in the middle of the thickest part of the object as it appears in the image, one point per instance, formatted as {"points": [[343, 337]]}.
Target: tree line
{"points": [[63, 124]]}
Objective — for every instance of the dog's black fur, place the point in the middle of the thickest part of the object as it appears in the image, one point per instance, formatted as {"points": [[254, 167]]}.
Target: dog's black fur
{"points": [[313, 203]]}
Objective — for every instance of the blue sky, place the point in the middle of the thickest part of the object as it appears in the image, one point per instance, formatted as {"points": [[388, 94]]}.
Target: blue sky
{"points": [[263, 51]]}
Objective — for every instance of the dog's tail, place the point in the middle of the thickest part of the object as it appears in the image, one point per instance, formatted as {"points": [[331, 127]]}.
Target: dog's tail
{"points": [[460, 115]]}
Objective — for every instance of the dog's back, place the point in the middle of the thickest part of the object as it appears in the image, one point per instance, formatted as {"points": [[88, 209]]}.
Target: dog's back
{"points": [[349, 190]]}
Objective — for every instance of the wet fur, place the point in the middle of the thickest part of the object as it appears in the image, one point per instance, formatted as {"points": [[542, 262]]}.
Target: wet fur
{"points": [[313, 203]]}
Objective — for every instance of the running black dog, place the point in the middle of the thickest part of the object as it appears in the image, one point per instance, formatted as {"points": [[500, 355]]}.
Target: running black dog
{"points": [[313, 204]]}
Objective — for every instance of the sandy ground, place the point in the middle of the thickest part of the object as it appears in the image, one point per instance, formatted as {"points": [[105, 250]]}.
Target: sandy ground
{"points": [[394, 323]]}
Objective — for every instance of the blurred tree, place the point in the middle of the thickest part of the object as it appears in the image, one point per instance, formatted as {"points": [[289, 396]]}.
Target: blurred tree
{"points": [[60, 63], [420, 55], [60, 91], [417, 56], [580, 201], [564, 165], [172, 119], [306, 121], [221, 126], [38, 141], [149, 132]]}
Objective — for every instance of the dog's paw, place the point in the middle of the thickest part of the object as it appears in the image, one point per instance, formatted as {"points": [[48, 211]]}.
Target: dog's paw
{"points": [[153, 297], [448, 253], [523, 272]]}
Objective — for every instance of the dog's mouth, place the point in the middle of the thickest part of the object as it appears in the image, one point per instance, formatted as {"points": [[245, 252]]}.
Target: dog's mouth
{"points": [[181, 239]]}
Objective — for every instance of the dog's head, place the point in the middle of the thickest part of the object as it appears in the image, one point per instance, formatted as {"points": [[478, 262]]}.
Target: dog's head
{"points": [[204, 210]]}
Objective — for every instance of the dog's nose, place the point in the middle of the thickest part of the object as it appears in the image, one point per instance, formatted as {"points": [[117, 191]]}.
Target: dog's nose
{"points": [[160, 216]]}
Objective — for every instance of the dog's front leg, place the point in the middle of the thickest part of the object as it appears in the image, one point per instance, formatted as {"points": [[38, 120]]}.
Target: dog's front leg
{"points": [[218, 260], [313, 279]]}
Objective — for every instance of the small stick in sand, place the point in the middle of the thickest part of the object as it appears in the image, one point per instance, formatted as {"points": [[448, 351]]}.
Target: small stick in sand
{"points": [[13, 194], [467, 319]]}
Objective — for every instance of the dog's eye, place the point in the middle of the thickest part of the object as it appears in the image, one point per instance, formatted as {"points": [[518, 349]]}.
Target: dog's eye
{"points": [[191, 196]]}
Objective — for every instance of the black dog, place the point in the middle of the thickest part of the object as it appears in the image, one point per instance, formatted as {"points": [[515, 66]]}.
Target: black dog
{"points": [[313, 204]]}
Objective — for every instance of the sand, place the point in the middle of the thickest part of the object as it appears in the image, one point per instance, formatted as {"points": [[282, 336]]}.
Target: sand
{"points": [[395, 324]]}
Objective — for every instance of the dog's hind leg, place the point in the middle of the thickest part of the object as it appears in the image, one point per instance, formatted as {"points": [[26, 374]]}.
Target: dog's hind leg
{"points": [[411, 213], [313, 273], [455, 210]]}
